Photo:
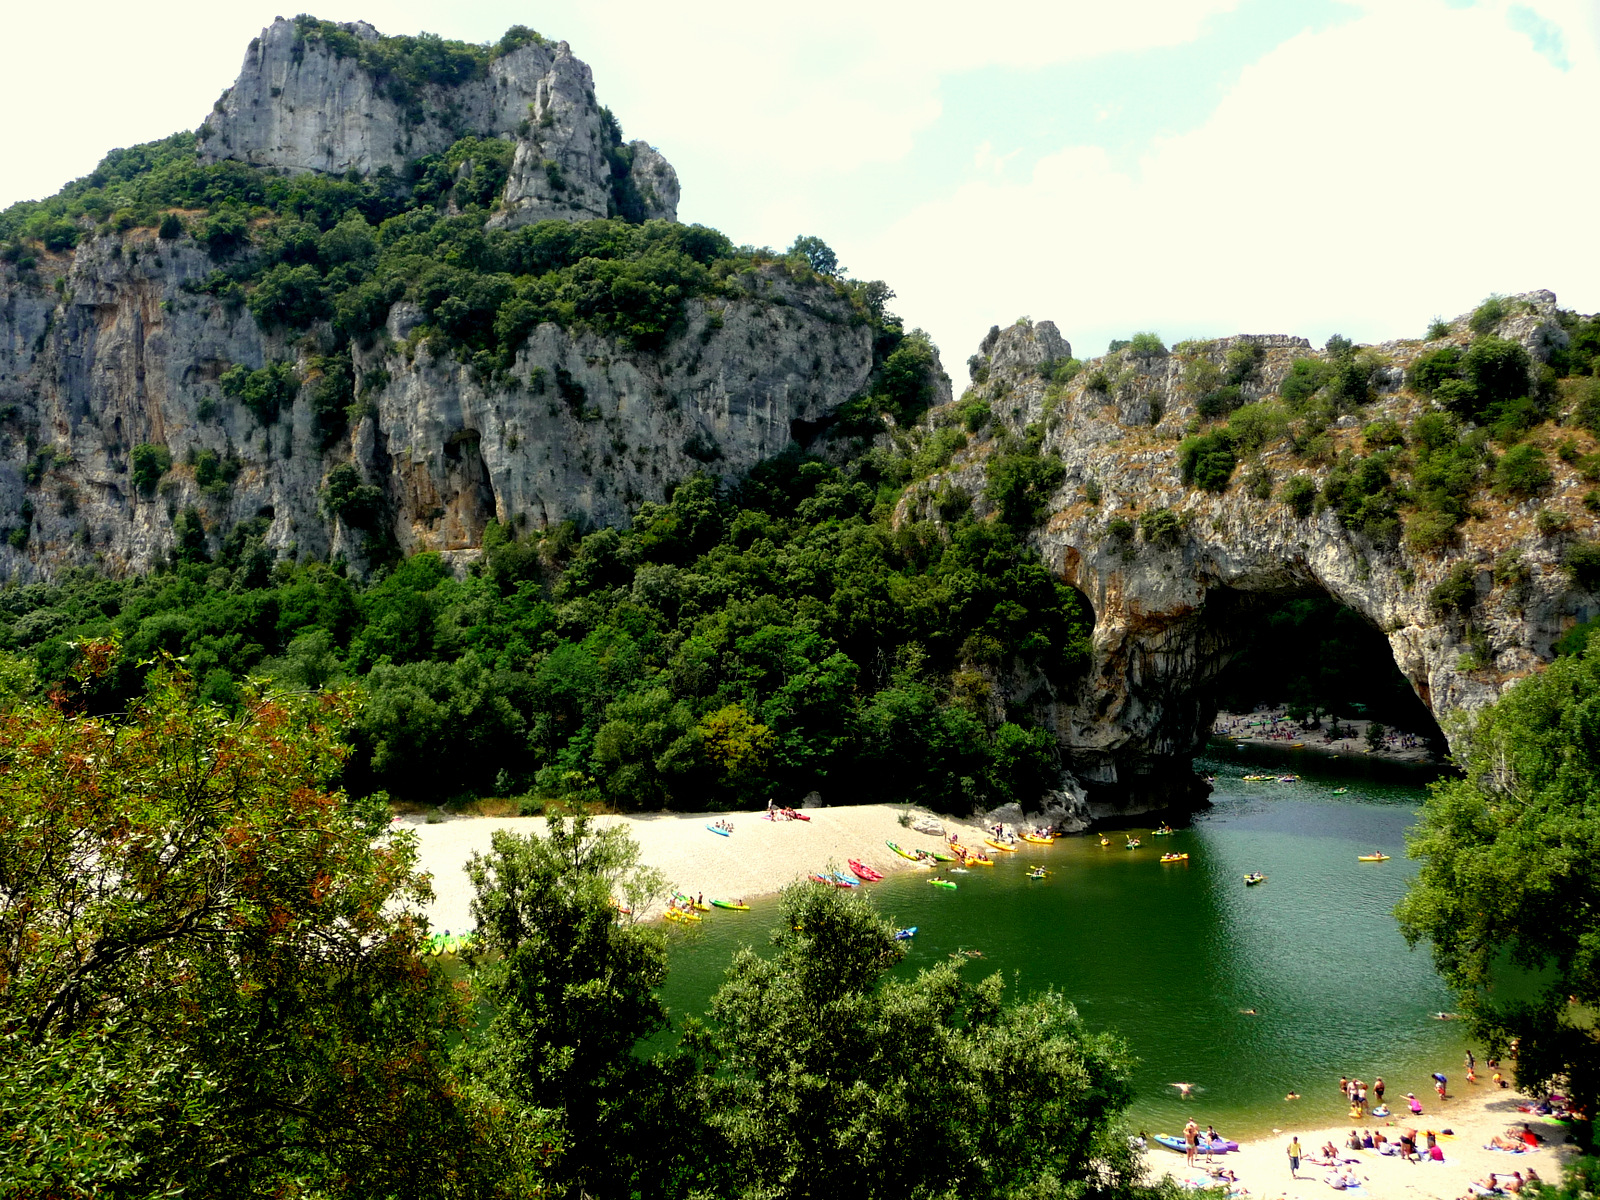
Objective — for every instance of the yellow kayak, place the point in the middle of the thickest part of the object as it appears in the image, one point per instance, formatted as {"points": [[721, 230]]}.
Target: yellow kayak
{"points": [[1174, 858], [974, 859], [902, 852], [1379, 857], [1000, 846], [1037, 840], [677, 914]]}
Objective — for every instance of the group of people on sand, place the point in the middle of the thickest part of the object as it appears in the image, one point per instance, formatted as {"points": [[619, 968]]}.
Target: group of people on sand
{"points": [[775, 813]]}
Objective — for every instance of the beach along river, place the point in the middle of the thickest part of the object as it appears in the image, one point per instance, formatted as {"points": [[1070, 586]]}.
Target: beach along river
{"points": [[1169, 955]]}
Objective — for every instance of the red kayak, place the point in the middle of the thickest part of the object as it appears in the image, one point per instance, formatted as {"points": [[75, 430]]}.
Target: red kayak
{"points": [[838, 883], [864, 872]]}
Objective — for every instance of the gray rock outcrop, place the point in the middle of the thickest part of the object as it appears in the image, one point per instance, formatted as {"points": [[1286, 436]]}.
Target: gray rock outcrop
{"points": [[1169, 617], [303, 103], [121, 355]]}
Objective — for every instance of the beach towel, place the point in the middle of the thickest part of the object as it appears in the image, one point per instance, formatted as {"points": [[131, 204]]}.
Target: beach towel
{"points": [[1477, 1189], [1508, 1149]]}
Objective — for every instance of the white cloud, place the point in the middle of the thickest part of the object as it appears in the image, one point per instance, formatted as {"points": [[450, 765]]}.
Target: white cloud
{"points": [[792, 91], [1358, 179]]}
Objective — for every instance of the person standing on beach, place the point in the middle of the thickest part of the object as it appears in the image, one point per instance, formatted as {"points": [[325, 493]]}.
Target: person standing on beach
{"points": [[1377, 1088], [1191, 1133], [1294, 1157]]}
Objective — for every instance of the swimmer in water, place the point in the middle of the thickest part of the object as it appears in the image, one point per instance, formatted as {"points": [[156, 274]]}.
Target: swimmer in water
{"points": [[1185, 1090], [1292, 1096], [1249, 1012]]}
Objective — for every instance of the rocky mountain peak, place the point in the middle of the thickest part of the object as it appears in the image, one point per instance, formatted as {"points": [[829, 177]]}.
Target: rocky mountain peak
{"points": [[342, 99]]}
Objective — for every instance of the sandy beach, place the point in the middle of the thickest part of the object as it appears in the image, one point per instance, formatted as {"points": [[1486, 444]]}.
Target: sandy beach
{"points": [[1475, 1116], [760, 857]]}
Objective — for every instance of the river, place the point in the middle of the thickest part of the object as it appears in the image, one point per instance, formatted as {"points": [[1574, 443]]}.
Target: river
{"points": [[1168, 956]]}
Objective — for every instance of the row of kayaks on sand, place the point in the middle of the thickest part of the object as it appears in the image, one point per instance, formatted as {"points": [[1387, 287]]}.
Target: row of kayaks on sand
{"points": [[447, 943]]}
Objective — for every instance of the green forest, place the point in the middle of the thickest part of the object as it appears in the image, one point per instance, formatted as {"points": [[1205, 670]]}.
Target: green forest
{"points": [[239, 1004], [773, 640]]}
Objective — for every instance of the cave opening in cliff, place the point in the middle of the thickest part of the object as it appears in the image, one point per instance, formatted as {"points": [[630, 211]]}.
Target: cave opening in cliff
{"points": [[1322, 663]]}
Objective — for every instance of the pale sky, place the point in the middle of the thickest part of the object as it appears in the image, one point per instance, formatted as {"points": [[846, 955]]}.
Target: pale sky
{"points": [[1193, 167]]}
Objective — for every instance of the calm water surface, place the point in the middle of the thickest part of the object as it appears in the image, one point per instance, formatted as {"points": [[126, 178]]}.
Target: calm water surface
{"points": [[1167, 956]]}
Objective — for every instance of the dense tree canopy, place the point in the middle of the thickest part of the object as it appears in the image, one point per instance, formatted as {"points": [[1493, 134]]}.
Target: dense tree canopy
{"points": [[1510, 875], [824, 1070], [208, 982], [769, 640]]}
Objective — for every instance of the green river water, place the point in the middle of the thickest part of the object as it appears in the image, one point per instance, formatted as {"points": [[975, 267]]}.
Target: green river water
{"points": [[1167, 956]]}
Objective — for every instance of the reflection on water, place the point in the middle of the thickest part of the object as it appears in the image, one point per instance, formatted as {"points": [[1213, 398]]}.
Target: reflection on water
{"points": [[1168, 956]]}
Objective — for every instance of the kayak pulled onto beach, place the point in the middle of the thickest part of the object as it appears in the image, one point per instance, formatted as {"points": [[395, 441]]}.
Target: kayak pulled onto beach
{"points": [[864, 872], [903, 852], [731, 905], [1221, 1146], [714, 829]]}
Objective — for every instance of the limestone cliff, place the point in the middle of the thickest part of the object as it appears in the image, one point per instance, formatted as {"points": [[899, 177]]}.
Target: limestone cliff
{"points": [[105, 350], [1174, 596], [312, 97]]}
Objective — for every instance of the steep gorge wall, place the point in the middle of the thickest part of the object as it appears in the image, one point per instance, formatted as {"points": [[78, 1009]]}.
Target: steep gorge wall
{"points": [[1169, 617], [104, 350], [118, 344]]}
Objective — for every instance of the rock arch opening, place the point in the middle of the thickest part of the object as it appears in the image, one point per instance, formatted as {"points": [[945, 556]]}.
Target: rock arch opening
{"points": [[1324, 667]]}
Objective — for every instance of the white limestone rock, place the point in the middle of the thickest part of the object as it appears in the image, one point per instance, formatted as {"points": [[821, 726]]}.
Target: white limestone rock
{"points": [[298, 105]]}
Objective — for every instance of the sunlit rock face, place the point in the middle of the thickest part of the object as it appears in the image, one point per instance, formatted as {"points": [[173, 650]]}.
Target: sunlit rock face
{"points": [[301, 105]]}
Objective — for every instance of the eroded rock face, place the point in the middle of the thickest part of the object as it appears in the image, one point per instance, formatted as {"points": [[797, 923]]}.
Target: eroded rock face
{"points": [[299, 105], [584, 429], [1170, 616]]}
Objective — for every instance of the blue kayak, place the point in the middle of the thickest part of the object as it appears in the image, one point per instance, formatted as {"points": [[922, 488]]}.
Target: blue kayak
{"points": [[714, 829], [1222, 1146], [905, 935]]}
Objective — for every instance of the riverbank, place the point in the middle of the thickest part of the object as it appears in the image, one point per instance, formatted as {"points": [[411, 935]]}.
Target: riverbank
{"points": [[760, 856], [1271, 727], [1474, 1117]]}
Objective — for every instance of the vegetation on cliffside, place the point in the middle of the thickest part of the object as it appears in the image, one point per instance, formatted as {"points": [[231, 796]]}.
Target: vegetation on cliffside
{"points": [[768, 641]]}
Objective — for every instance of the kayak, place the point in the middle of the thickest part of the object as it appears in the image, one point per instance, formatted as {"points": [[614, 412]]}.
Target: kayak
{"points": [[1161, 832], [714, 829], [1177, 1143], [974, 859], [1260, 778], [732, 905], [902, 852], [677, 914], [940, 856], [1174, 858], [1340, 791], [864, 872], [1252, 880], [830, 880], [944, 883], [905, 935], [1379, 857], [688, 902], [999, 845], [1037, 840], [1133, 843], [846, 880], [1036, 874]]}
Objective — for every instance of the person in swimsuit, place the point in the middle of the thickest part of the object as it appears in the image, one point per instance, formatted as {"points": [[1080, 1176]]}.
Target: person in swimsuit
{"points": [[1191, 1132]]}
